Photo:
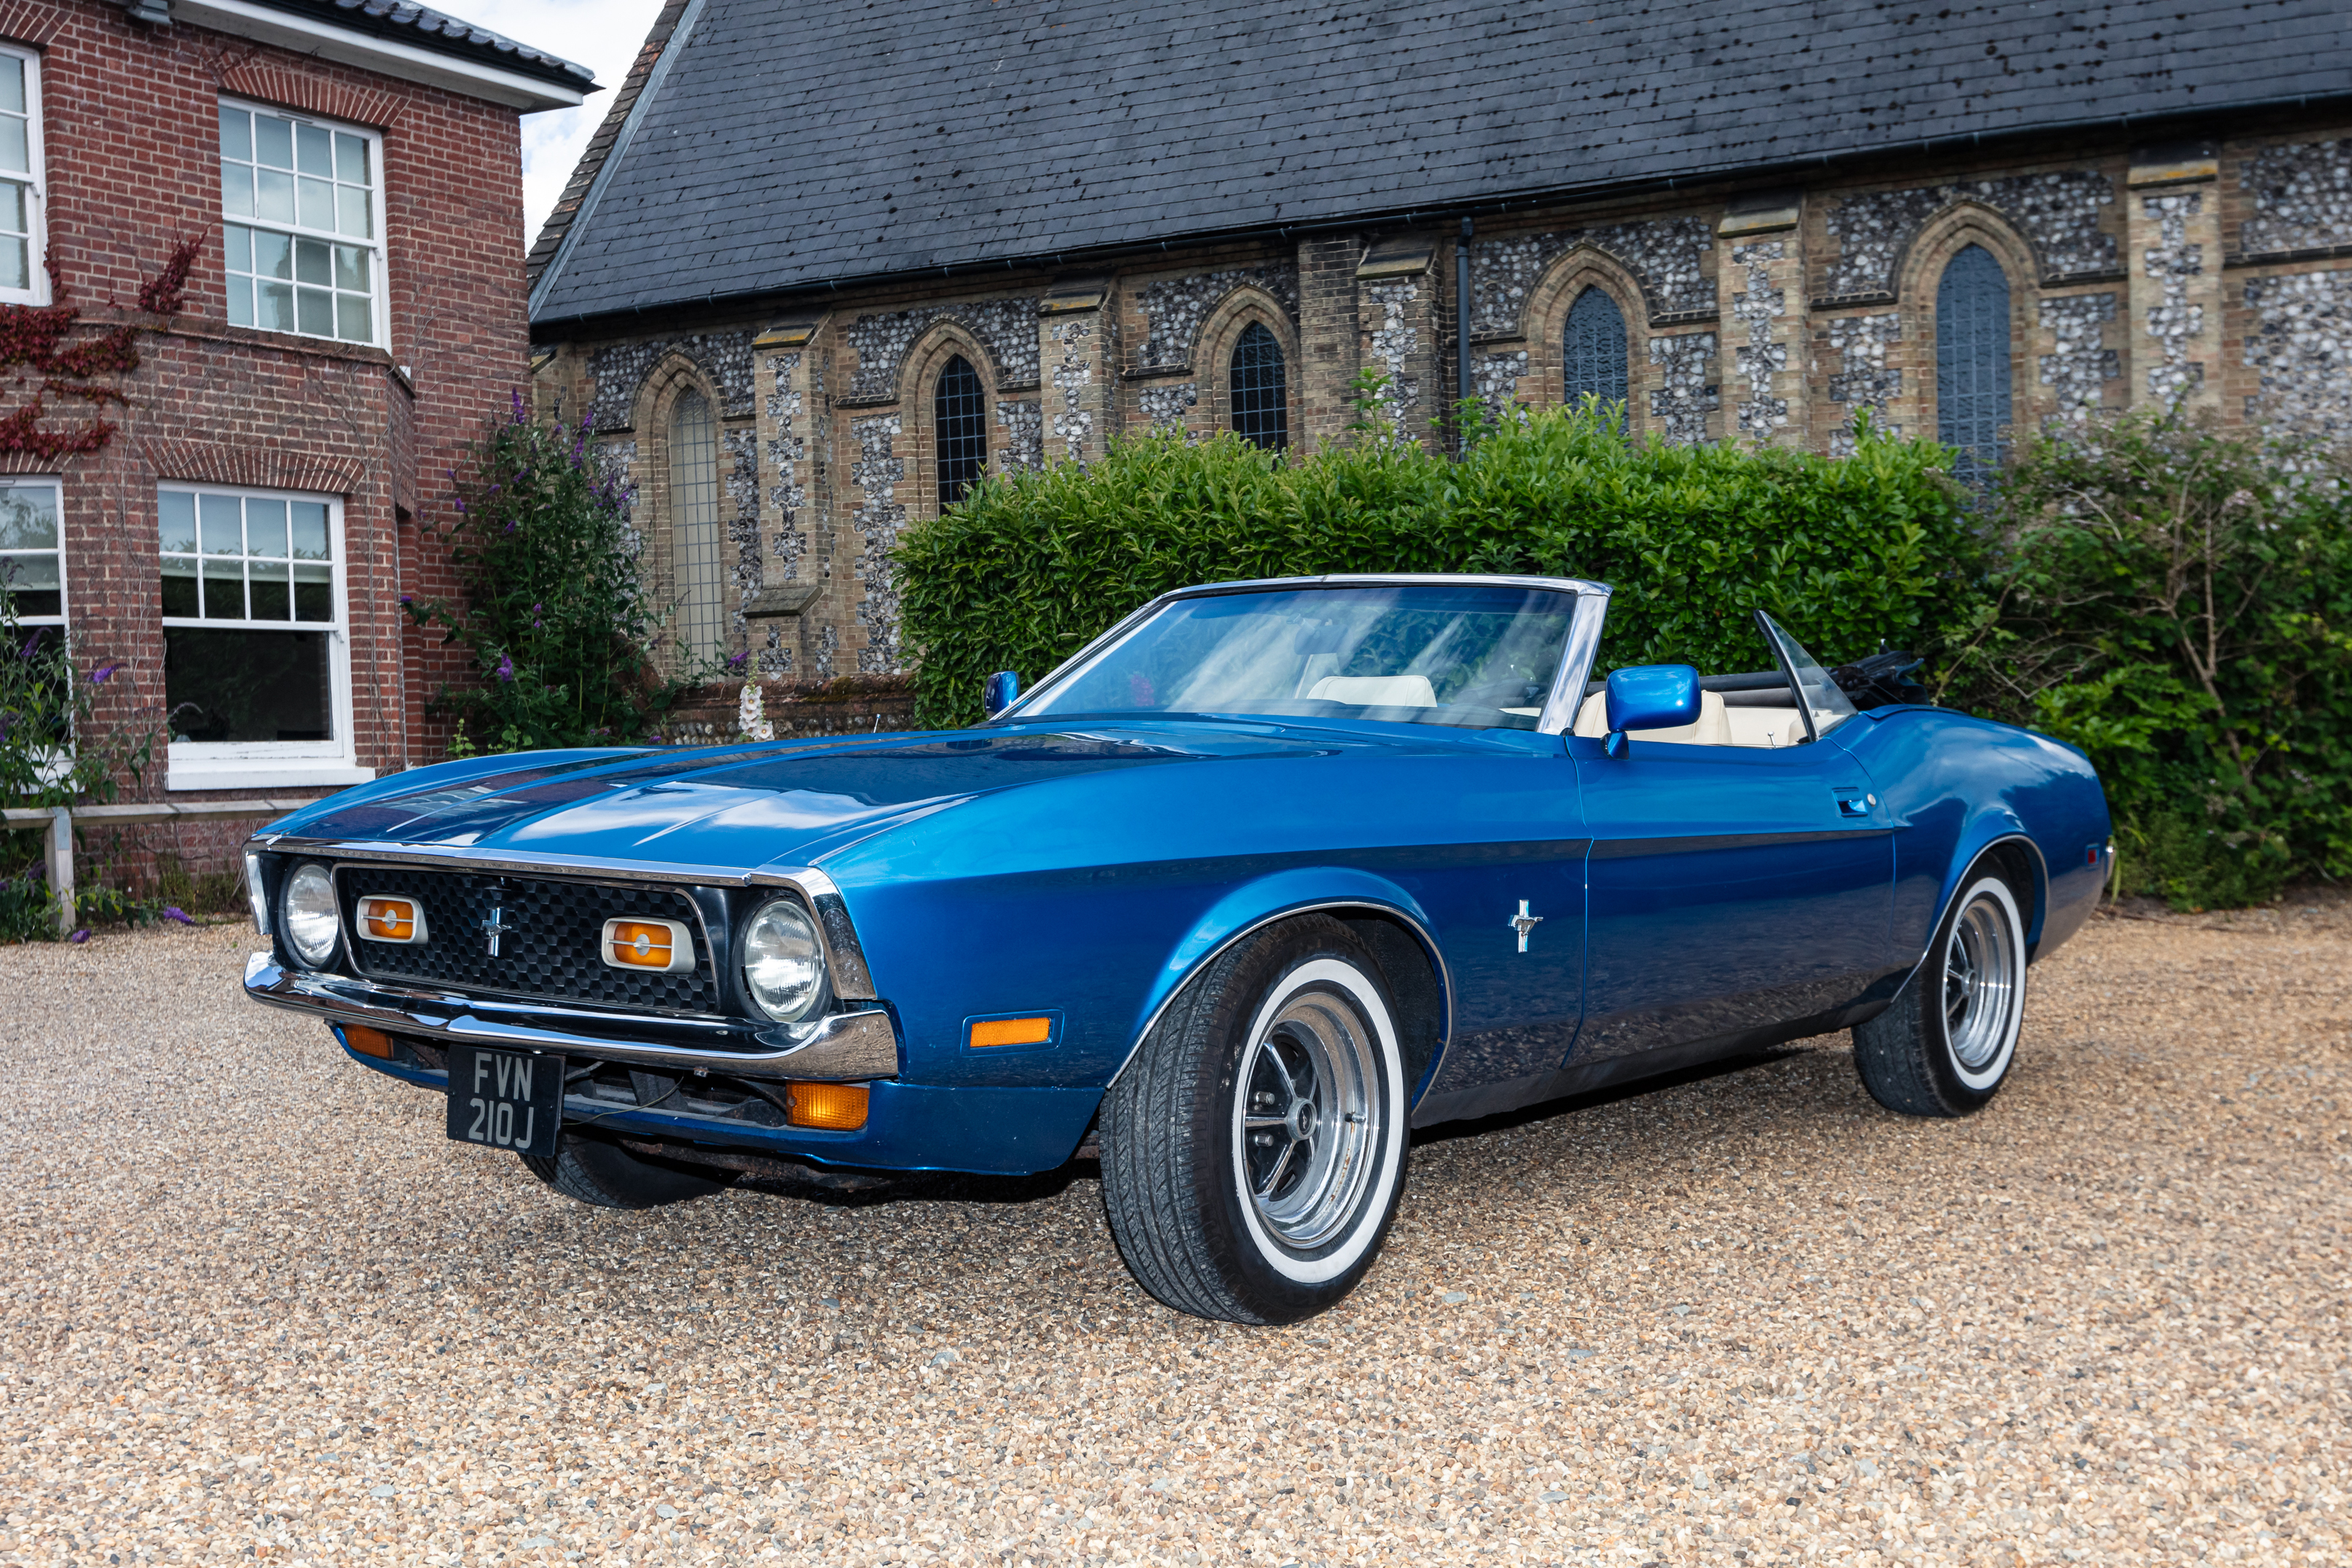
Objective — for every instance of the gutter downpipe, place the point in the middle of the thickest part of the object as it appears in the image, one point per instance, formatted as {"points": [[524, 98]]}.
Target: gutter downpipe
{"points": [[1462, 341]]}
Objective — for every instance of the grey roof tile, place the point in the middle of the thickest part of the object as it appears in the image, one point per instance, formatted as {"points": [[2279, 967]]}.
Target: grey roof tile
{"points": [[1050, 127]]}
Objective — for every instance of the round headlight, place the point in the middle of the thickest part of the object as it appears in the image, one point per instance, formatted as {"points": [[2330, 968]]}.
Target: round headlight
{"points": [[311, 922], [783, 963]]}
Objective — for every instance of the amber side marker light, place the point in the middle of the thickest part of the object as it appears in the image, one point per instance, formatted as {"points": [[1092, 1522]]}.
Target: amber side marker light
{"points": [[834, 1107], [368, 1042], [1010, 1031]]}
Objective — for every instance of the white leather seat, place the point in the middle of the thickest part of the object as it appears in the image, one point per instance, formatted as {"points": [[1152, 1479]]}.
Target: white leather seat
{"points": [[1766, 725], [1376, 691], [1717, 724], [1710, 728]]}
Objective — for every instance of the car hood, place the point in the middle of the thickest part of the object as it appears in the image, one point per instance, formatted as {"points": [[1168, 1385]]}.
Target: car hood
{"points": [[775, 804]]}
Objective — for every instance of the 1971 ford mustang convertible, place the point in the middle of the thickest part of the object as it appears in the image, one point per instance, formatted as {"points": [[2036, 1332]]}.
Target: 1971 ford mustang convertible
{"points": [[1263, 878]]}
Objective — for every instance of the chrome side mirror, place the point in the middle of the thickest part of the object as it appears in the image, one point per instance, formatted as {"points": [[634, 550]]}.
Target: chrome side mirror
{"points": [[1650, 696], [999, 693]]}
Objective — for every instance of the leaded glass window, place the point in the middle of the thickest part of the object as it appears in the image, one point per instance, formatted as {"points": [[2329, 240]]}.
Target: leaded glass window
{"points": [[1261, 384], [1972, 364], [960, 419], [693, 528], [1593, 361]]}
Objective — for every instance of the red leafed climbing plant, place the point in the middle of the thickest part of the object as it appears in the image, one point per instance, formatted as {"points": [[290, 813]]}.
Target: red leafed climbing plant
{"points": [[39, 349]]}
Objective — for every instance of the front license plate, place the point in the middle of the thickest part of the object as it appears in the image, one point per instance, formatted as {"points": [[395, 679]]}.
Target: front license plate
{"points": [[505, 1099]]}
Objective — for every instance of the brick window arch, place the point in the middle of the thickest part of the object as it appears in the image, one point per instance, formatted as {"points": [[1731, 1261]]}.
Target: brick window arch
{"points": [[1973, 369], [1261, 388], [697, 565], [959, 429], [1593, 354]]}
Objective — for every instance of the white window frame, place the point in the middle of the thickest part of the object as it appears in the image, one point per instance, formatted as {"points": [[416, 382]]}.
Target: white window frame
{"points": [[378, 244], [38, 217], [267, 764], [54, 763], [63, 619]]}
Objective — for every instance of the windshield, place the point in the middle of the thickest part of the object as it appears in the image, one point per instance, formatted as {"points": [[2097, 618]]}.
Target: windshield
{"points": [[1473, 655], [1829, 705]]}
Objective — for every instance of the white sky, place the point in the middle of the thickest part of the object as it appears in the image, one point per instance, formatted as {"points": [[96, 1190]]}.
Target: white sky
{"points": [[604, 35]]}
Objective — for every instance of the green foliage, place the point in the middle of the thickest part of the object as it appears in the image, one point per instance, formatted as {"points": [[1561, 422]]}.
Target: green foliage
{"points": [[26, 911], [1028, 567], [2177, 603], [556, 616], [53, 750]]}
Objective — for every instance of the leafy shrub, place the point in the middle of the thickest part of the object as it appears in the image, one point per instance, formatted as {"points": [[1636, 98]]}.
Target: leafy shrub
{"points": [[53, 750], [1028, 567], [556, 616], [2177, 603], [27, 912]]}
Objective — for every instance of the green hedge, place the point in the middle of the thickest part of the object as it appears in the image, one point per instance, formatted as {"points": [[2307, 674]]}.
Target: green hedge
{"points": [[1026, 568], [2176, 601]]}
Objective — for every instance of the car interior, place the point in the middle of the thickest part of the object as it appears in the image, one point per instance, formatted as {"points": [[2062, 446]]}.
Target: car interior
{"points": [[1748, 709]]}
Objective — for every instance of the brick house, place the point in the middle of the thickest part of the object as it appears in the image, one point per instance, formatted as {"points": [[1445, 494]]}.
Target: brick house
{"points": [[356, 312], [806, 294]]}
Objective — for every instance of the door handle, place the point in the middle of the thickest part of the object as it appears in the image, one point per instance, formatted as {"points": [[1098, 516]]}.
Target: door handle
{"points": [[1854, 805]]}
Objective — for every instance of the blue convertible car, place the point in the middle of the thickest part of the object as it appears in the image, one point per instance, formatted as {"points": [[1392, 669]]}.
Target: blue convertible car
{"points": [[1268, 875]]}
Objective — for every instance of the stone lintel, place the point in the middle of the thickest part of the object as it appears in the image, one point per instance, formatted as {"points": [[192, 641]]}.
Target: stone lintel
{"points": [[775, 604], [2174, 163], [1406, 256], [1760, 212]]}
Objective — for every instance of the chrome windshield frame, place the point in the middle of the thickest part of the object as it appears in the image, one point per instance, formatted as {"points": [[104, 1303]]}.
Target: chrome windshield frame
{"points": [[1591, 603]]}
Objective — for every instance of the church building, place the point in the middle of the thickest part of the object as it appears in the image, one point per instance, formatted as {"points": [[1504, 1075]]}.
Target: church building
{"points": [[823, 268]]}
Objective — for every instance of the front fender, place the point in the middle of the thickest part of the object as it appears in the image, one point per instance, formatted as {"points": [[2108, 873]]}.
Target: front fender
{"points": [[1268, 898]]}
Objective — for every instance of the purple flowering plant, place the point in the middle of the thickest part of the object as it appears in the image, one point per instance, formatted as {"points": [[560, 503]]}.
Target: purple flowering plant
{"points": [[552, 609], [55, 748]]}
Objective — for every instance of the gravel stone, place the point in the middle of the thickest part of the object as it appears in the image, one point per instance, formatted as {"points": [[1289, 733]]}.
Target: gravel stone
{"points": [[255, 1308]]}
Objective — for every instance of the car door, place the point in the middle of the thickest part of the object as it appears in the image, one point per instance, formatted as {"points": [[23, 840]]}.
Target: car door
{"points": [[1730, 890]]}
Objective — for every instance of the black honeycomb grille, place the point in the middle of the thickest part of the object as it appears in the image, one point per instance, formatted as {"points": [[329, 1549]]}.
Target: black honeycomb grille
{"points": [[549, 949]]}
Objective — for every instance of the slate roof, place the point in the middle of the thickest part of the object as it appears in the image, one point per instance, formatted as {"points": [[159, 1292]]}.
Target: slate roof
{"points": [[441, 33], [787, 146]]}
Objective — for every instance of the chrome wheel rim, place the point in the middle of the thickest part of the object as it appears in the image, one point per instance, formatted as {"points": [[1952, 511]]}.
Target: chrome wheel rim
{"points": [[1310, 1123], [1980, 984]]}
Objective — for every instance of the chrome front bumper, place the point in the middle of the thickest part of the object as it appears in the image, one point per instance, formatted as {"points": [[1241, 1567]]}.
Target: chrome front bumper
{"points": [[838, 1048]]}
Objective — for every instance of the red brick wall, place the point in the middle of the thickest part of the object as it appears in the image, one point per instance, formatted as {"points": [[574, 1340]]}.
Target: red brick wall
{"points": [[129, 119]]}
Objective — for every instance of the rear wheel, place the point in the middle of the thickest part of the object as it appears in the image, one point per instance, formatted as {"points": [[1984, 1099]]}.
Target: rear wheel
{"points": [[1945, 1045], [610, 1176], [1254, 1150]]}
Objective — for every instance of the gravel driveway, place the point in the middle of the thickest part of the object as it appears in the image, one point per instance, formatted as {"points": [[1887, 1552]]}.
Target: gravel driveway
{"points": [[252, 1306]]}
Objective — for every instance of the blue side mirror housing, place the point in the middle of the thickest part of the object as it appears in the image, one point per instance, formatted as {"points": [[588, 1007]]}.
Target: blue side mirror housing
{"points": [[1651, 696], [999, 693]]}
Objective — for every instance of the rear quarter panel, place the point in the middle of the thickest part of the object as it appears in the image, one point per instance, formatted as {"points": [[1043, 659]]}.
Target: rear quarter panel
{"points": [[1956, 784]]}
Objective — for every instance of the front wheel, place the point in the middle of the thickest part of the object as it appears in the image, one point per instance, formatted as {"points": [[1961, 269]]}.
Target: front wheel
{"points": [[600, 1172], [1944, 1046], [1254, 1150]]}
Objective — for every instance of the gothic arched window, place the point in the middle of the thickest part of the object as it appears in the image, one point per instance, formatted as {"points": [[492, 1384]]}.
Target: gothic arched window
{"points": [[1972, 363], [1594, 364], [960, 423], [697, 566], [1261, 386]]}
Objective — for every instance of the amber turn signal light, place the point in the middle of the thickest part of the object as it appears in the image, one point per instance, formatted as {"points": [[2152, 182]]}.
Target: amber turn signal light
{"points": [[987, 1032], [834, 1107], [368, 1042], [648, 945], [392, 920]]}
